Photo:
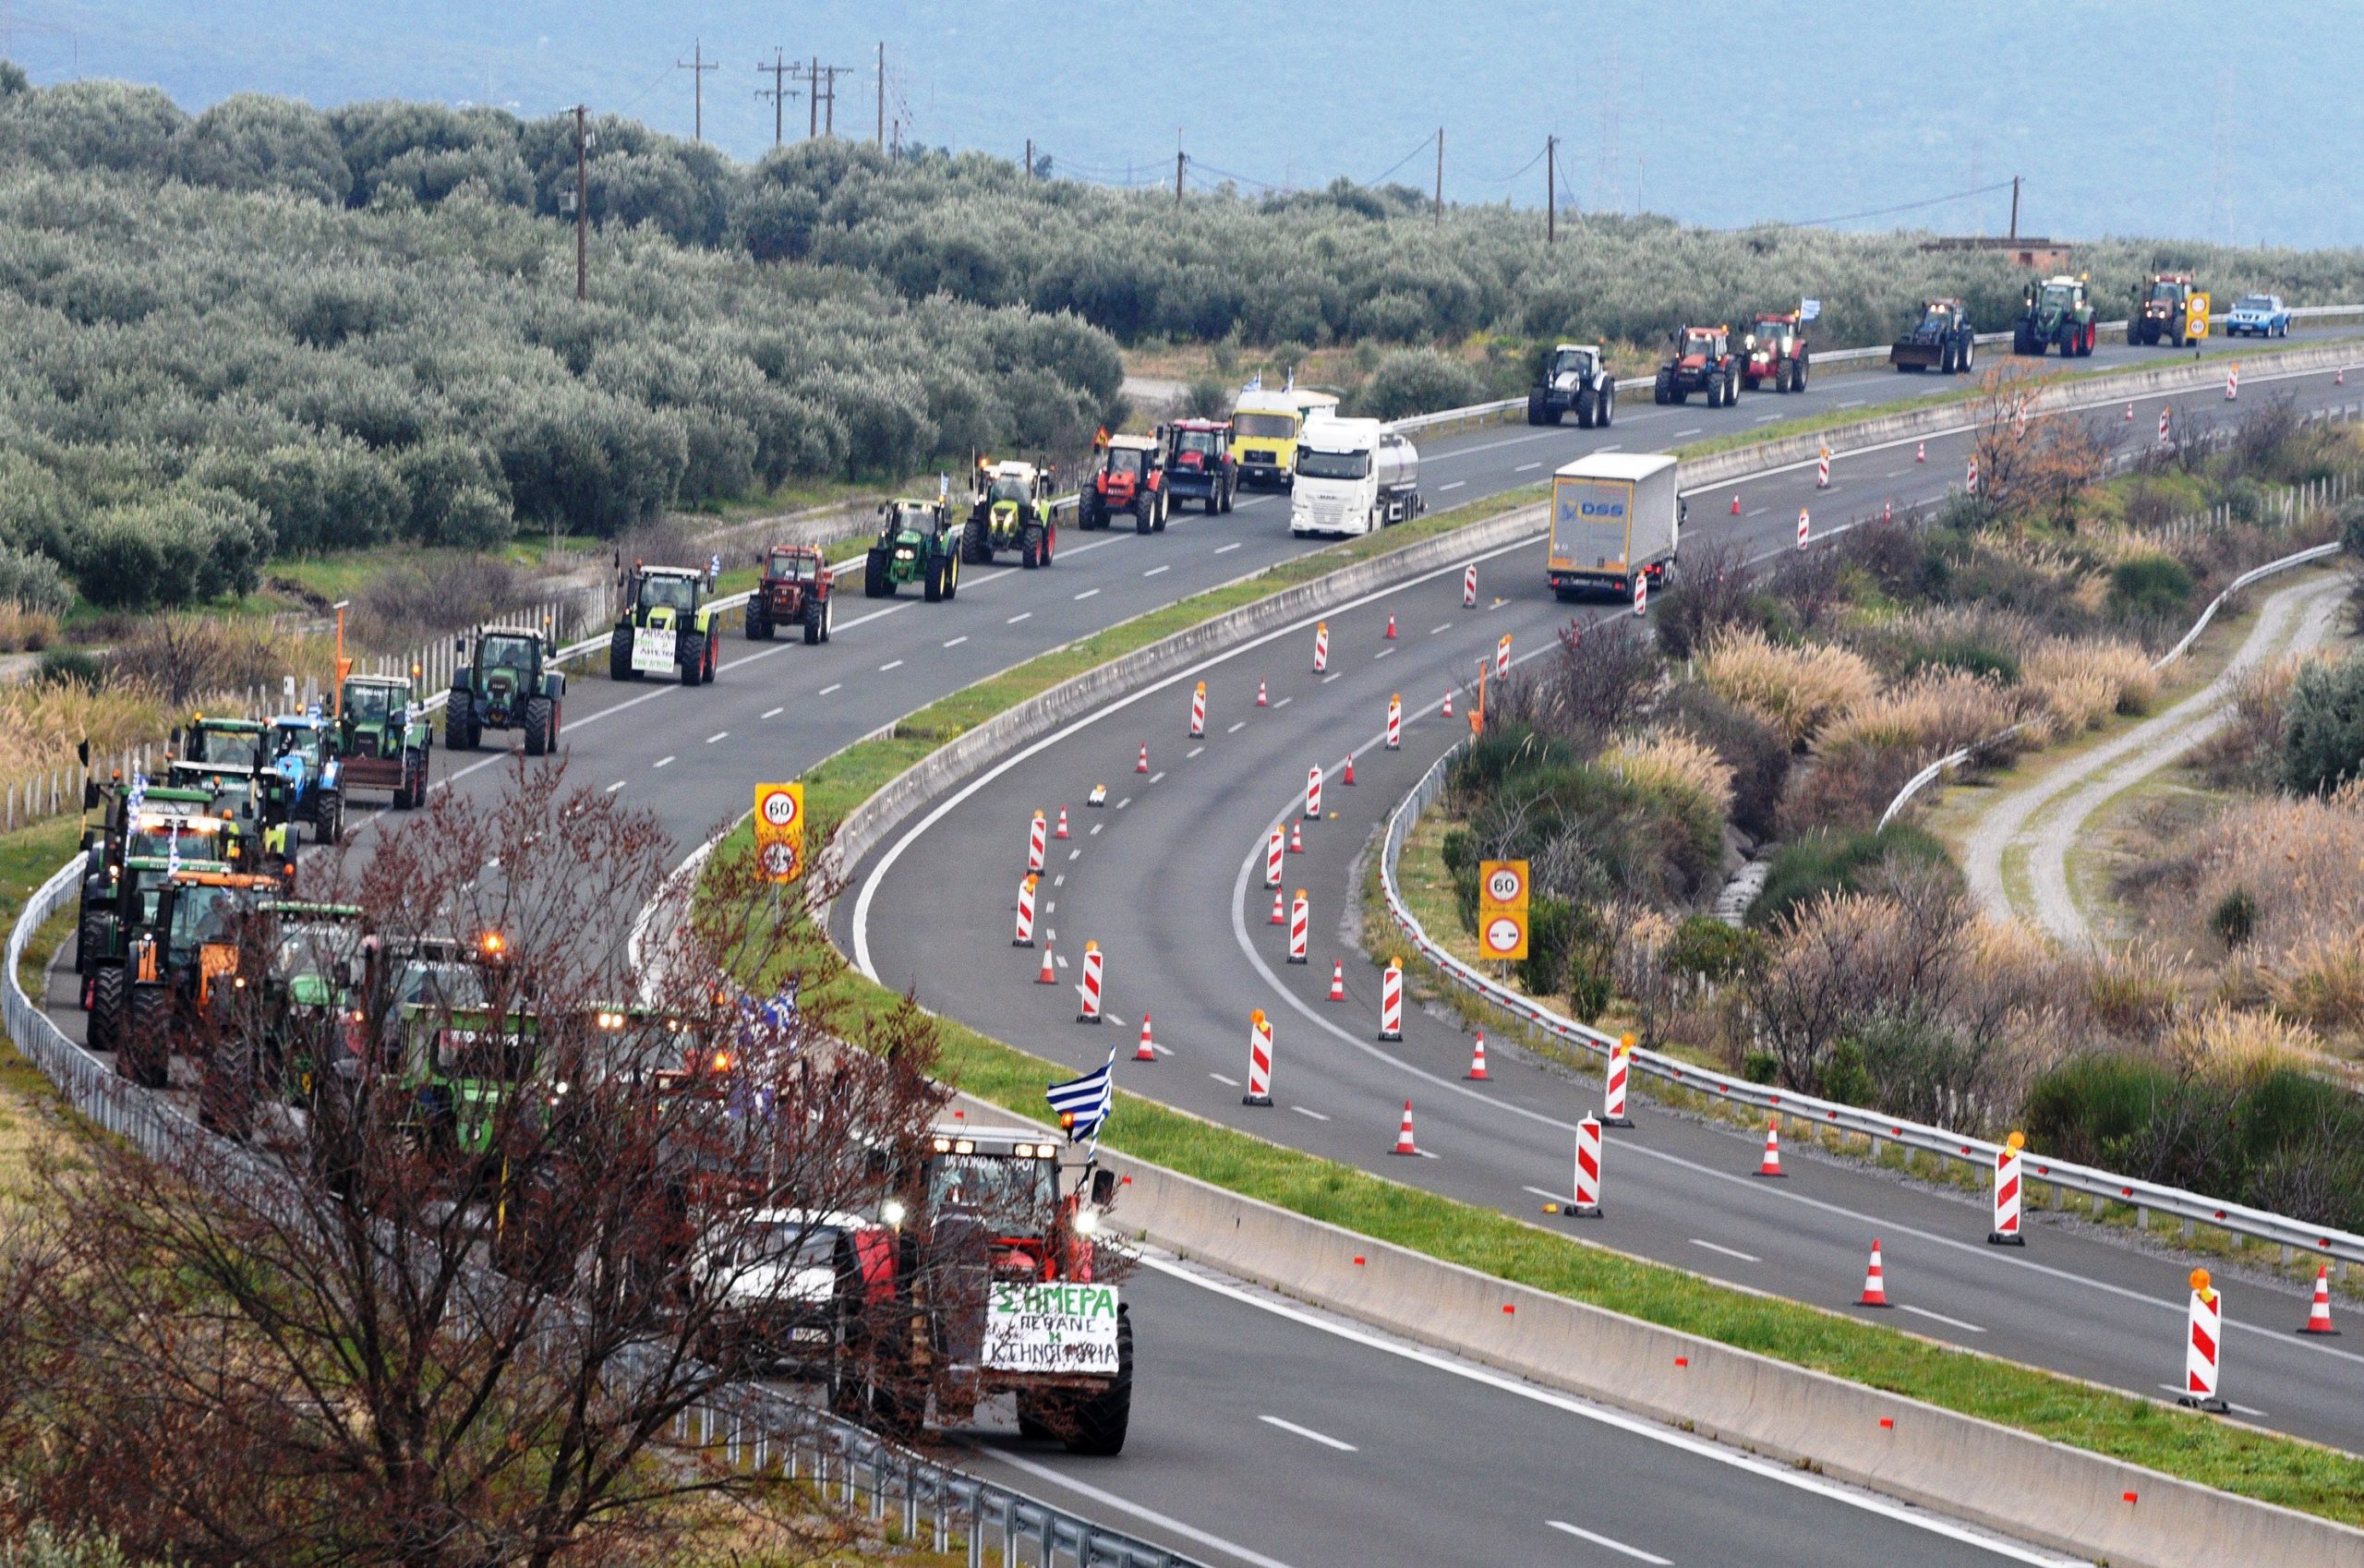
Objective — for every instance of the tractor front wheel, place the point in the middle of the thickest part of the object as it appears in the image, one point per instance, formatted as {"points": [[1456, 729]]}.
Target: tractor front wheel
{"points": [[412, 791], [758, 624], [107, 988], [1144, 512], [620, 654], [145, 1053], [816, 608], [692, 657], [327, 817], [1030, 550], [459, 723], [539, 717], [874, 581]]}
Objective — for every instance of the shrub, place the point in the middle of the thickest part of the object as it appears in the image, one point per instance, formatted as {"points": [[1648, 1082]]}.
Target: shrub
{"points": [[1550, 933], [33, 583], [2234, 920], [1935, 713], [2350, 517], [2323, 734], [1711, 950], [1717, 593], [1796, 690], [1674, 762], [1752, 750], [1824, 862], [2149, 588], [1419, 380], [1207, 397], [2084, 680]]}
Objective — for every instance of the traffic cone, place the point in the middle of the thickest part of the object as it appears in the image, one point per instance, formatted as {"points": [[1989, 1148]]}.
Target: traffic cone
{"points": [[1296, 839], [1144, 1052], [1349, 777], [2319, 1315], [1063, 823], [1448, 702], [1142, 765], [1874, 1281], [1049, 976], [2129, 413], [1403, 1144], [1280, 917], [1261, 701], [1735, 503], [1337, 980], [1391, 628], [1921, 453], [1477, 1059], [1772, 1166]]}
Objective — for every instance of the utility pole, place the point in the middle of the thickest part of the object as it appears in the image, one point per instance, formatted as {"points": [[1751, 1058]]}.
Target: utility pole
{"points": [[581, 206], [1439, 176], [1180, 160], [2015, 209], [1551, 191], [697, 65], [778, 93], [812, 99], [829, 75], [1030, 157], [882, 95]]}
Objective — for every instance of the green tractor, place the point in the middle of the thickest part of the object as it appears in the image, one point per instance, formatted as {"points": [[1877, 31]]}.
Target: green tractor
{"points": [[512, 682], [224, 755], [136, 820], [181, 959], [2059, 314], [916, 544], [287, 1014], [669, 624], [383, 740], [1010, 510]]}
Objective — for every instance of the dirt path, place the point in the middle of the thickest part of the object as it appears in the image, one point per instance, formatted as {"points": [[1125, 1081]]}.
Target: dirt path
{"points": [[2046, 815]]}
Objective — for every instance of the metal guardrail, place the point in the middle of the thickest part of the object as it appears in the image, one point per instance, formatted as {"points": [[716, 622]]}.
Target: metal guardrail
{"points": [[757, 1427], [2318, 1241]]}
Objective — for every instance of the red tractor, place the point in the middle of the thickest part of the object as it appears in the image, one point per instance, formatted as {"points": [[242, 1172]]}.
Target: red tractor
{"points": [[1130, 477], [1776, 353], [795, 591], [1699, 359], [1199, 464]]}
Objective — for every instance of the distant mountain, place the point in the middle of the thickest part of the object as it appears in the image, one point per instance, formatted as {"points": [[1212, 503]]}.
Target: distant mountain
{"points": [[2168, 119]]}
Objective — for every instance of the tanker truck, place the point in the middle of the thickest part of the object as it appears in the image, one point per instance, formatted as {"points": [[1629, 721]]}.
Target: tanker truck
{"points": [[1353, 476]]}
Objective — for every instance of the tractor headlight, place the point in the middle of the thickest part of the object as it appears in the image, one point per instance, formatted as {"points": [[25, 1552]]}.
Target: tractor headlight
{"points": [[893, 1211], [1087, 1222]]}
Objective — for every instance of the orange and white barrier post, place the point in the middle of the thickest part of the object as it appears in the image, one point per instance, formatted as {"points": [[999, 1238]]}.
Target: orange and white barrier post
{"points": [[2319, 1315], [1588, 1204], [1037, 832], [1822, 470], [1612, 1095], [1061, 831], [1025, 937], [1405, 1144], [1089, 1010], [1771, 1165], [1147, 1050], [1337, 980], [1313, 793], [1476, 1073], [2007, 1194], [1970, 481], [1300, 921], [1469, 586], [1198, 712], [1260, 1061], [2204, 1346], [1921, 452], [1641, 602], [1805, 526], [2163, 427], [2233, 381], [1395, 722], [1391, 1001], [1502, 657], [1874, 1280], [1320, 647], [1274, 844]]}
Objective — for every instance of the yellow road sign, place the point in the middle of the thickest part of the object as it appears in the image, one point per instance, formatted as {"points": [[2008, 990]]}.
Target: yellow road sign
{"points": [[1501, 884], [2195, 315], [780, 830], [1503, 933]]}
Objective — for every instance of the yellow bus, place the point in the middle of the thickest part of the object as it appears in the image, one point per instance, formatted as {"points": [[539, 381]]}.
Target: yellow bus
{"points": [[1265, 429]]}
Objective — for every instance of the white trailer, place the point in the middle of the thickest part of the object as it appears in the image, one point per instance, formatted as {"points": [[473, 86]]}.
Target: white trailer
{"points": [[1614, 515], [1353, 476]]}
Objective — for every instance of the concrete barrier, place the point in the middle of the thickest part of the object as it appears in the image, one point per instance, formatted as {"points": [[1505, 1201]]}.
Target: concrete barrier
{"points": [[2007, 1480]]}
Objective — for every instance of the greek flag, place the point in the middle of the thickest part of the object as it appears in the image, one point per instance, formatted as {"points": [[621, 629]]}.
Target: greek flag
{"points": [[173, 852], [1809, 309], [137, 795], [1255, 382], [1291, 385], [1082, 1103]]}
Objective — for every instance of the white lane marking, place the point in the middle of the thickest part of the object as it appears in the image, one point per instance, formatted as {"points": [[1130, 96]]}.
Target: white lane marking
{"points": [[1548, 1197], [1613, 446], [1194, 751], [1527, 467], [832, 686], [1636, 1426], [1123, 803], [1284, 702], [1096, 827], [1158, 777], [1940, 1318], [1455, 486], [2179, 1390], [717, 735], [1693, 431], [1156, 569], [1060, 881], [1332, 676], [1089, 593], [957, 641], [1633, 1551], [1765, 418], [1853, 403], [1899, 473], [1226, 549], [613, 788], [1380, 654], [1075, 854], [1434, 630], [1220, 1079], [1758, 511], [773, 712], [1236, 728], [660, 762], [1303, 1112], [1728, 1252], [1051, 907], [890, 664], [1322, 1438], [1022, 615]]}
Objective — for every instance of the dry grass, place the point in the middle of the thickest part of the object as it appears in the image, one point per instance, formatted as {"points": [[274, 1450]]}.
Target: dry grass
{"points": [[25, 630], [1796, 690], [41, 721], [1934, 713], [2234, 1046], [2085, 679], [2299, 865], [1676, 762]]}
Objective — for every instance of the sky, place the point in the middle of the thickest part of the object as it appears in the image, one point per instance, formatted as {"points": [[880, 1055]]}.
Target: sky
{"points": [[2174, 119]]}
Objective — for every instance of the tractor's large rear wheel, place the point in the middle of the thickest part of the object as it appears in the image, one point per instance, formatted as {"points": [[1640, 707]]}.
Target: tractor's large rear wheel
{"points": [[620, 654], [692, 657], [1030, 550], [145, 1053], [757, 624], [539, 715], [327, 817], [107, 999], [225, 1089], [1097, 1424], [814, 609]]}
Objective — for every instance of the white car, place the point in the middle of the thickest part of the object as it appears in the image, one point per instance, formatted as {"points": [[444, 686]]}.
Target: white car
{"points": [[2258, 315]]}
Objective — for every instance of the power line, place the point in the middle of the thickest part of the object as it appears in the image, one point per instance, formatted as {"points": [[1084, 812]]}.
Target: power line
{"points": [[1514, 173], [1418, 147], [1901, 207]]}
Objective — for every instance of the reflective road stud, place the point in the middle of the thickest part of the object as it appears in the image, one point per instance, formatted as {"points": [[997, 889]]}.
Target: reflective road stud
{"points": [[1260, 1061], [1313, 793], [1090, 991], [1273, 845], [1198, 712], [1612, 1097], [1391, 1001], [1404, 1142], [1145, 1051], [2007, 1194], [1320, 647], [1771, 1165], [1469, 586], [1298, 922], [1588, 1204], [1025, 937], [2204, 1339], [1337, 980], [1874, 1280], [1476, 1073], [1395, 721], [2319, 1315], [1035, 833]]}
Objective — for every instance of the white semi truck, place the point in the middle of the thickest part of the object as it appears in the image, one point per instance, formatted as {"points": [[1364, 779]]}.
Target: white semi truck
{"points": [[1615, 515], [1353, 476]]}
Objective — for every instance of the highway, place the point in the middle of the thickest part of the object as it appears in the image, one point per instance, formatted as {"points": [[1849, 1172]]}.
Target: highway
{"points": [[1444, 1468], [1168, 882]]}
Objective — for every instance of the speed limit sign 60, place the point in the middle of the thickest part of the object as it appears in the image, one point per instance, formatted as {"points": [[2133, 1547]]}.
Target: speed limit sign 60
{"points": [[780, 830], [1502, 884]]}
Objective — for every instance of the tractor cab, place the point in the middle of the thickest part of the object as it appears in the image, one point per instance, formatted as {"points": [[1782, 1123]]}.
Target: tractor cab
{"points": [[300, 782], [1009, 508], [667, 626], [1130, 477], [2165, 306]]}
